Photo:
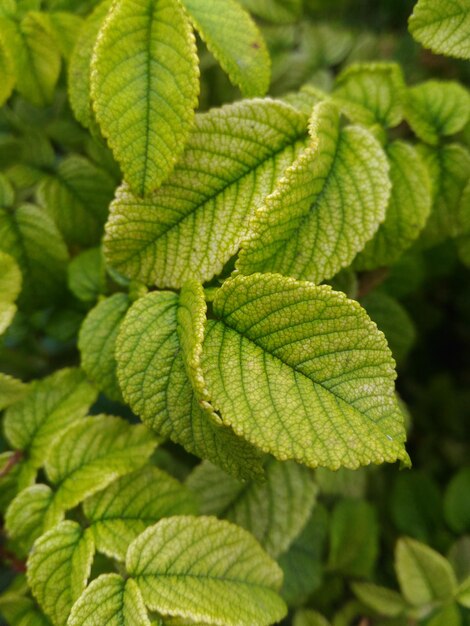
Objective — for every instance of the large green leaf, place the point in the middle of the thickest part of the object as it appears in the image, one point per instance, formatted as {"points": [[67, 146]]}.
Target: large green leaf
{"points": [[10, 287], [6, 72], [274, 511], [11, 390], [51, 405], [443, 26], [58, 568], [144, 85], [329, 204], [154, 382], [194, 223], [182, 564], [241, 51], [62, 27], [119, 513], [302, 372]]}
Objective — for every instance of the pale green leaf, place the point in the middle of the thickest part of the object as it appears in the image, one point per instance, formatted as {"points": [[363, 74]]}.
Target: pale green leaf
{"points": [[443, 26], [58, 569], [154, 382], [32, 239], [7, 313], [86, 275], [407, 211], [448, 615], [277, 11], [329, 204], [144, 86], [77, 197], [459, 557], [457, 503], [62, 28], [240, 50], [437, 108], [303, 373], [110, 601], [463, 593], [92, 453], [51, 405], [424, 575], [7, 192], [380, 599], [119, 513], [10, 278], [274, 511], [16, 474], [342, 482], [78, 77], [194, 223], [371, 93], [307, 617], [11, 390], [7, 73], [97, 342], [183, 563]]}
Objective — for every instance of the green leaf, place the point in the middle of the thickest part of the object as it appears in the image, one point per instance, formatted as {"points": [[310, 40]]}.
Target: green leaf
{"points": [[58, 569], [447, 616], [456, 502], [11, 390], [97, 343], [371, 93], [62, 27], [302, 372], [443, 26], [354, 538], [241, 51], [277, 11], [7, 73], [110, 601], [342, 482], [92, 453], [182, 563], [19, 610], [407, 211], [7, 313], [32, 239], [10, 287], [424, 575], [233, 159], [306, 617], [52, 404], [77, 197], [119, 513], [16, 474], [78, 77], [7, 192], [154, 382], [144, 92], [86, 275], [329, 204], [463, 593], [36, 59], [437, 108], [380, 599]]}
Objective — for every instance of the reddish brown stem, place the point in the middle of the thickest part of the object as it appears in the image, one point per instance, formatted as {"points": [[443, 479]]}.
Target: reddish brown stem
{"points": [[10, 464]]}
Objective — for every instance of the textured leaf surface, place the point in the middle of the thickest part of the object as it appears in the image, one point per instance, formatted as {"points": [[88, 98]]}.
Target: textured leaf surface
{"points": [[437, 108], [328, 205], [241, 51], [182, 563], [371, 93], [274, 511], [154, 382], [407, 211], [86, 275], [51, 405], [97, 343], [110, 601], [59, 567], [62, 27], [424, 575], [303, 373], [93, 453], [144, 85], [443, 26], [119, 513], [10, 287], [6, 72], [194, 223]]}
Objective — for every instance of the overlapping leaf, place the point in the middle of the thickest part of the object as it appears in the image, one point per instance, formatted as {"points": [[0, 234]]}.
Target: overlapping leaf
{"points": [[86, 275], [10, 287], [443, 26], [325, 209], [7, 73], [62, 27], [194, 223], [11, 390]]}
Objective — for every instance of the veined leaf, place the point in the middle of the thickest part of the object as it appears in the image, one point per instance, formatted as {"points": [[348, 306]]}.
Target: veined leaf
{"points": [[371, 93], [11, 390], [33, 240], [154, 382], [10, 287], [443, 26], [437, 108], [119, 513], [241, 51], [110, 601], [182, 563], [16, 476], [86, 275], [97, 343], [407, 211], [51, 405], [302, 372], [144, 85], [277, 11], [196, 220], [274, 511], [329, 204], [77, 198], [7, 73], [92, 453], [58, 569], [62, 28]]}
